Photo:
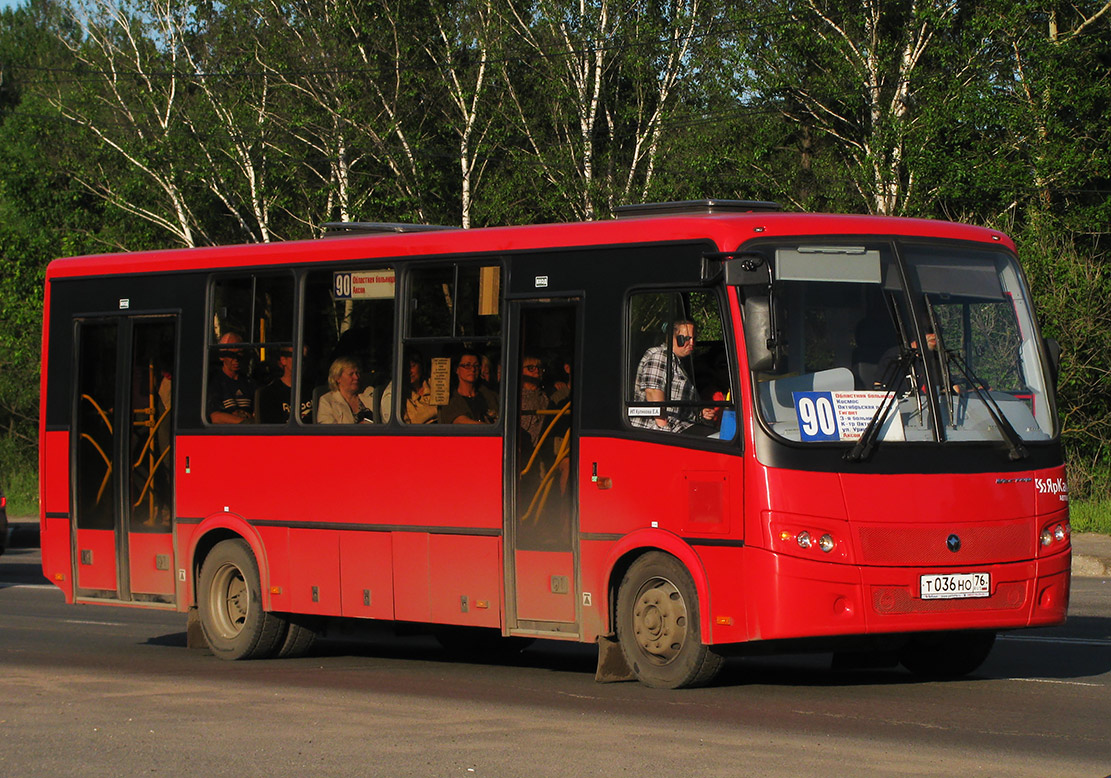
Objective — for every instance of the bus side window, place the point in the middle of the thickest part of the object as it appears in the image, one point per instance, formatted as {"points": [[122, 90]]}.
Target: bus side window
{"points": [[252, 324], [678, 352], [450, 373], [348, 323]]}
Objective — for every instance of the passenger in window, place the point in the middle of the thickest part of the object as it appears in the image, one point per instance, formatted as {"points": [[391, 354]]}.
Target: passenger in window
{"points": [[276, 398], [344, 404], [491, 370], [561, 380], [471, 402], [533, 396], [653, 377], [418, 402], [231, 395]]}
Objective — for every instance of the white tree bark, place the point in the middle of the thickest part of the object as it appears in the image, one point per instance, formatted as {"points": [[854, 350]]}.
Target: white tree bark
{"points": [[461, 55], [134, 109], [878, 146]]}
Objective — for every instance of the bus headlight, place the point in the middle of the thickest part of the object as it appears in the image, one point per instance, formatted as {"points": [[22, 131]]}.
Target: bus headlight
{"points": [[804, 539], [1055, 533], [825, 543]]}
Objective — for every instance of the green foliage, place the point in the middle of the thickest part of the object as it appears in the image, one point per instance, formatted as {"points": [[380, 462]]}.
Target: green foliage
{"points": [[131, 125], [1091, 516], [19, 476]]}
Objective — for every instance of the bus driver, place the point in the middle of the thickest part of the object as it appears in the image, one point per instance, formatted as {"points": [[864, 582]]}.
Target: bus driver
{"points": [[652, 379]]}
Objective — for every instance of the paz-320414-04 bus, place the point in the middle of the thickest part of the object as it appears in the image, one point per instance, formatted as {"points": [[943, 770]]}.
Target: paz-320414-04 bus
{"points": [[696, 429]]}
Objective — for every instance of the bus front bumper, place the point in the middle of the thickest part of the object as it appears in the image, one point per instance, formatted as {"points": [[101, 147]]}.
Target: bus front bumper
{"points": [[789, 597]]}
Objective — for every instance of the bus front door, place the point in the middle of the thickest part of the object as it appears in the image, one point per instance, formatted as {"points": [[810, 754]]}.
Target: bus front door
{"points": [[123, 459], [542, 578]]}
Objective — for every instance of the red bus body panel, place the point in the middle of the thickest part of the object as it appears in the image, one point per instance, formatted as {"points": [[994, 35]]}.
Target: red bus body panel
{"points": [[361, 532]]}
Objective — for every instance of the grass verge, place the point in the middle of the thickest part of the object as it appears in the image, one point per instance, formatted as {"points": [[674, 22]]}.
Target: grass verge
{"points": [[1091, 516], [19, 477]]}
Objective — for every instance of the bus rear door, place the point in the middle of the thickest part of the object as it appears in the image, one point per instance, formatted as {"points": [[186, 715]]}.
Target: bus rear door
{"points": [[122, 449]]}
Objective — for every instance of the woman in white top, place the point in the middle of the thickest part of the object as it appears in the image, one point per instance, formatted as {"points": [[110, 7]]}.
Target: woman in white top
{"points": [[344, 404]]}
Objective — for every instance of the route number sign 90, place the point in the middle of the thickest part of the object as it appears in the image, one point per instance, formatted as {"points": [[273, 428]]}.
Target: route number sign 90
{"points": [[817, 417]]}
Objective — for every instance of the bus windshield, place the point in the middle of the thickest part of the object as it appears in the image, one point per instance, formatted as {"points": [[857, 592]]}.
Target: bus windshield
{"points": [[914, 342]]}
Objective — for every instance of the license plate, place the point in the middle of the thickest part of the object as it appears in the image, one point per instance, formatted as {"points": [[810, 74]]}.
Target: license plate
{"points": [[952, 586]]}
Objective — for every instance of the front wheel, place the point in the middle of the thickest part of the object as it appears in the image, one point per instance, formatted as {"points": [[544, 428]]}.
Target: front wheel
{"points": [[947, 654], [230, 605], [658, 625]]}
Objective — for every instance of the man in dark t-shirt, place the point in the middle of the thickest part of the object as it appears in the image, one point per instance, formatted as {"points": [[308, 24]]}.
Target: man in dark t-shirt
{"points": [[231, 395], [275, 399]]}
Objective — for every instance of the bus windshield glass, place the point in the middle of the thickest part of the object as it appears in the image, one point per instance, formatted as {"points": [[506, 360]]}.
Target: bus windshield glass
{"points": [[866, 340]]}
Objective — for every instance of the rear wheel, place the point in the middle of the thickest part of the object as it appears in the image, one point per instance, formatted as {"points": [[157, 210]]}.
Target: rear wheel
{"points": [[300, 637], [947, 654], [658, 625], [230, 605]]}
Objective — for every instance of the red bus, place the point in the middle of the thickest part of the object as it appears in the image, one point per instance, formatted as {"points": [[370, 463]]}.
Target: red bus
{"points": [[697, 429]]}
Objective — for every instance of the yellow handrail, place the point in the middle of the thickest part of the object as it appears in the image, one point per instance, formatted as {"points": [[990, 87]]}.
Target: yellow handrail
{"points": [[103, 415], [557, 415], [107, 461], [545, 485]]}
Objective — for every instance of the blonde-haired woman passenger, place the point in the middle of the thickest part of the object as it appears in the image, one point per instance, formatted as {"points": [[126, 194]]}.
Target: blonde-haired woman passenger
{"points": [[344, 404]]}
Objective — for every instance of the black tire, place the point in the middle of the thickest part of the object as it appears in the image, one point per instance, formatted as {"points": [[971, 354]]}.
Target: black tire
{"points": [[300, 637], [947, 654], [658, 625], [229, 601]]}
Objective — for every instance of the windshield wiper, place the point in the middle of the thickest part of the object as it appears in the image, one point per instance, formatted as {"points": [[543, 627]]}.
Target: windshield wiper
{"points": [[1006, 429], [896, 372], [943, 361]]}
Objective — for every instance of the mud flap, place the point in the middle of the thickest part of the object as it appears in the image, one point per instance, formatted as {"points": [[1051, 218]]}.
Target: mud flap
{"points": [[612, 667], [194, 634]]}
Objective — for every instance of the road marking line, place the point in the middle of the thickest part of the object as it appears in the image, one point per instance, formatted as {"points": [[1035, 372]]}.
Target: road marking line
{"points": [[1060, 641], [26, 586], [95, 623], [1052, 680]]}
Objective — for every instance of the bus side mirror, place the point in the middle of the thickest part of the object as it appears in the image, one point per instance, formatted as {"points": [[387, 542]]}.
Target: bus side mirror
{"points": [[1053, 352], [759, 333]]}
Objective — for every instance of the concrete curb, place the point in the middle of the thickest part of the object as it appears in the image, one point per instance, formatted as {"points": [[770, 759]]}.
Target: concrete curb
{"points": [[1091, 555], [1091, 552]]}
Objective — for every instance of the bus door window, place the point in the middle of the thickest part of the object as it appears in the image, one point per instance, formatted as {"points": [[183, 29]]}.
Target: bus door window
{"points": [[348, 345], [252, 322], [97, 468], [544, 444], [151, 463], [679, 354], [451, 364]]}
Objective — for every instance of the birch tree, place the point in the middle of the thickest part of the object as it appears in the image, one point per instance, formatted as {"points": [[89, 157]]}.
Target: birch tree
{"points": [[850, 73], [556, 89], [462, 45], [1059, 82], [126, 91], [664, 45]]}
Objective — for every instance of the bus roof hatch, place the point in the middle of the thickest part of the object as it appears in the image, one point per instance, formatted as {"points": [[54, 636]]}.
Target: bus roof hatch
{"points": [[694, 208]]}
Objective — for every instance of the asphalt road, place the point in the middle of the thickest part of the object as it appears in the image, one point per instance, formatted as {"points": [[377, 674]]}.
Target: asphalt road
{"points": [[90, 691]]}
